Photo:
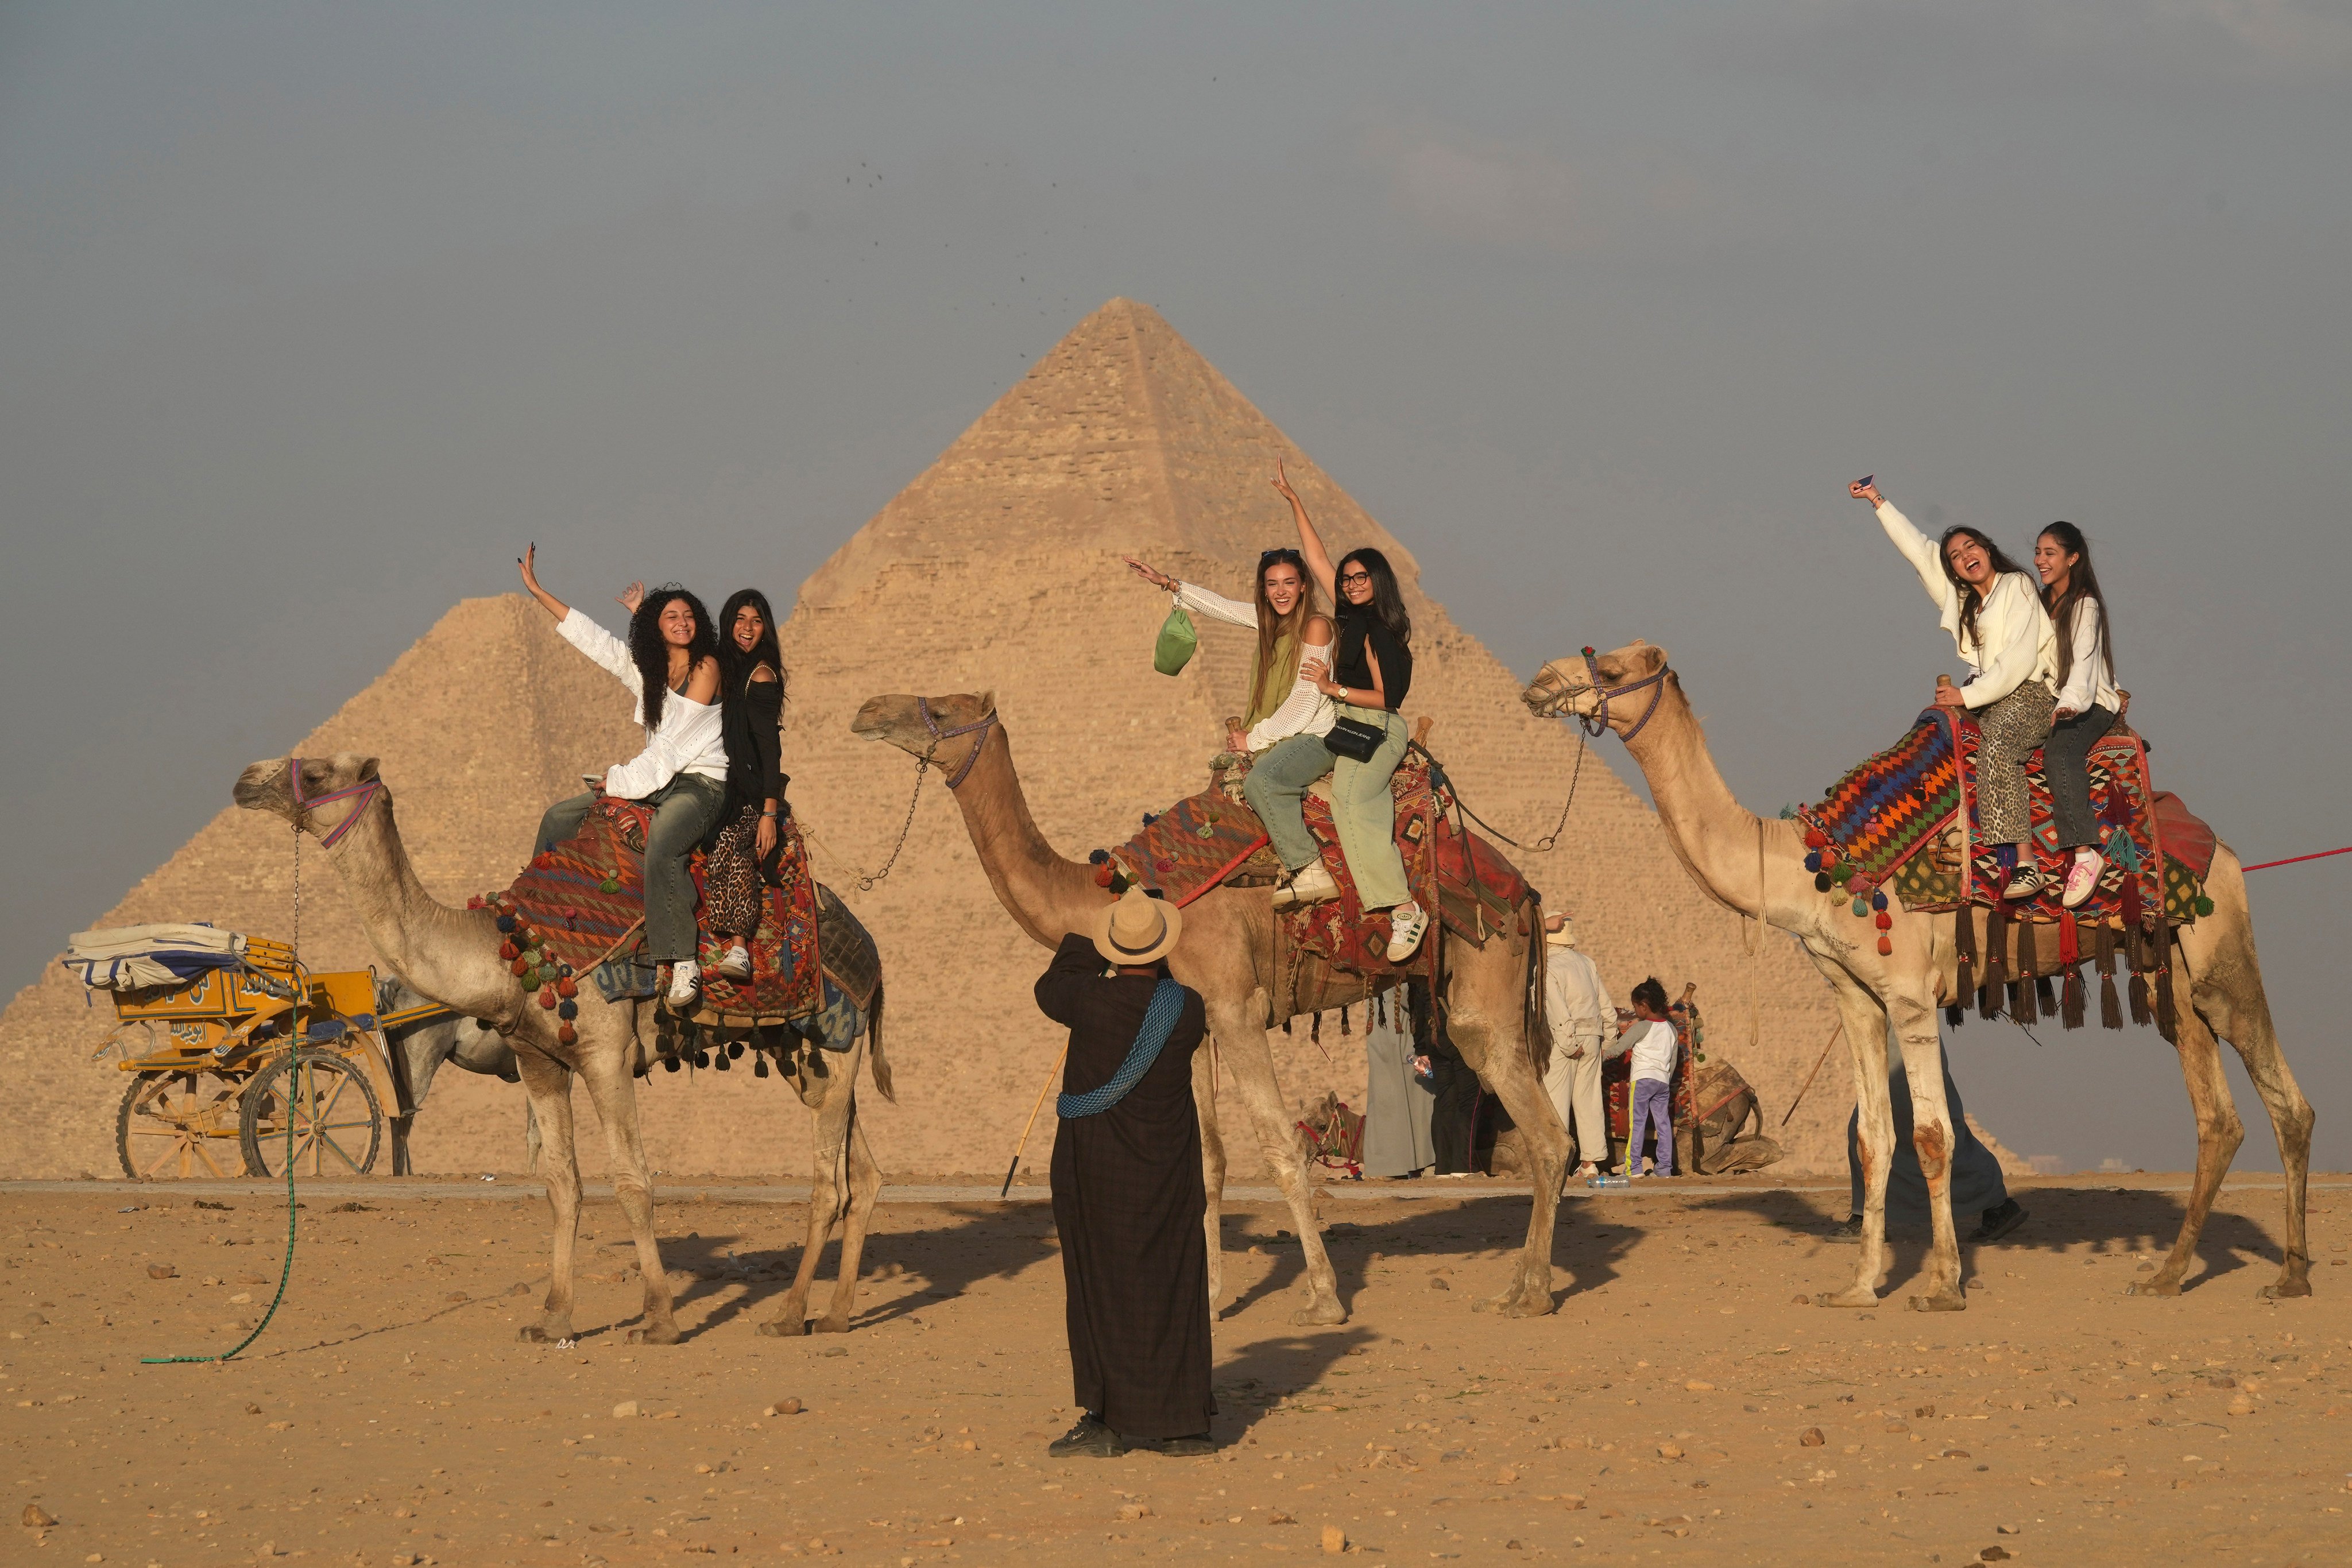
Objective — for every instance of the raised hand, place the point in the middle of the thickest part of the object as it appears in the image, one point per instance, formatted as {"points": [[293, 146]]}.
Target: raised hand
{"points": [[1866, 489], [631, 597], [1281, 484], [1159, 579]]}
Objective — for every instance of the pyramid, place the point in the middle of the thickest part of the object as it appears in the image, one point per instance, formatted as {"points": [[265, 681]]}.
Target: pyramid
{"points": [[996, 569]]}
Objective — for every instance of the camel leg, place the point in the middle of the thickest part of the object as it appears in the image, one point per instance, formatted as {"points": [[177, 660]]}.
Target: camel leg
{"points": [[1500, 1058], [2218, 1134], [549, 1084], [1865, 1034], [614, 1095], [865, 1186], [1213, 1170], [2226, 991], [829, 1196], [1253, 1069], [1913, 1018]]}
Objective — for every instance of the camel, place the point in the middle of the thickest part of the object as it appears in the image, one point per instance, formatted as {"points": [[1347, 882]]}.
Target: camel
{"points": [[1755, 868], [451, 956], [1228, 954]]}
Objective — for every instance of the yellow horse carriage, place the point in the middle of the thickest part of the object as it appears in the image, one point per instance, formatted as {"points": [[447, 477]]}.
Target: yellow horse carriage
{"points": [[207, 1022]]}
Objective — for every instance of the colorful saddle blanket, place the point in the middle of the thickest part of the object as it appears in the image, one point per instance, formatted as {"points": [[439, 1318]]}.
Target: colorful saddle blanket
{"points": [[1207, 840], [574, 906], [1906, 820]]}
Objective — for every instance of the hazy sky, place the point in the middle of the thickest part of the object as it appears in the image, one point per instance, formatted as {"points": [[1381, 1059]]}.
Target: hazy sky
{"points": [[313, 314]]}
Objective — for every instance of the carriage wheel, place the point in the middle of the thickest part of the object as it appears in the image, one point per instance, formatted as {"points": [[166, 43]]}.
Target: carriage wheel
{"points": [[174, 1125], [337, 1124]]}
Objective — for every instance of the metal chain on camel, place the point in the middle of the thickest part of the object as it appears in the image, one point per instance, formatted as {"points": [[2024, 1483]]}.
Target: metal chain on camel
{"points": [[868, 881], [294, 1088]]}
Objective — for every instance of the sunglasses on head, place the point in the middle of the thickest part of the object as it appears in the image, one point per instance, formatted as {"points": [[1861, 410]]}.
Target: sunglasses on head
{"points": [[1292, 556]]}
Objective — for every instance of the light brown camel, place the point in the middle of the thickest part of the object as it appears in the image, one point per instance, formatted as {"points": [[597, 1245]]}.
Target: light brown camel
{"points": [[1227, 953], [1757, 868], [452, 957]]}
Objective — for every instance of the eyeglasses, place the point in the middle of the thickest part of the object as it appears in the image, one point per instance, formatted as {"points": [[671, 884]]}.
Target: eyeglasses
{"points": [[1354, 578]]}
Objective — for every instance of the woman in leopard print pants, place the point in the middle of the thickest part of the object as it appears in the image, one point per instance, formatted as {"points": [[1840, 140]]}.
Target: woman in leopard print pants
{"points": [[1992, 608]]}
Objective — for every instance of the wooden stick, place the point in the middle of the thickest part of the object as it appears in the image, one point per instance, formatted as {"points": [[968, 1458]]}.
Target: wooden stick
{"points": [[1016, 1165], [1814, 1074]]}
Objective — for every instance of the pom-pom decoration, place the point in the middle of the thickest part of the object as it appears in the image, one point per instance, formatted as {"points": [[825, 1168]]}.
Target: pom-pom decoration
{"points": [[508, 951], [547, 997], [1815, 839], [1885, 921], [2204, 905], [518, 967], [1098, 857], [1104, 875], [1813, 861], [505, 923], [1843, 873], [1820, 881], [613, 884], [476, 902], [567, 1011], [1878, 899], [566, 1035], [1885, 945], [565, 986], [1860, 908]]}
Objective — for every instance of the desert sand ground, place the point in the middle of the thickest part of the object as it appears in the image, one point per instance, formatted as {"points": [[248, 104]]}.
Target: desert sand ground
{"points": [[1682, 1405]]}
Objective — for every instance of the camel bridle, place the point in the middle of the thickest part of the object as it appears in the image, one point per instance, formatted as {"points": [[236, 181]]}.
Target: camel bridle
{"points": [[1598, 720], [366, 791], [980, 725]]}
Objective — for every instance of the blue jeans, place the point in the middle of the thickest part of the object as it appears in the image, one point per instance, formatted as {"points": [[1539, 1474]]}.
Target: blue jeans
{"points": [[685, 810], [1652, 1103]]}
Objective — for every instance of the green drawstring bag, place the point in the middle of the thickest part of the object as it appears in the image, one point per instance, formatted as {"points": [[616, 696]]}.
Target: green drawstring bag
{"points": [[1176, 641]]}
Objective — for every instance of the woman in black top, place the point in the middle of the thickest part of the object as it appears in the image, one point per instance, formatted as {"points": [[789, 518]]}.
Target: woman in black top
{"points": [[1371, 673], [752, 691]]}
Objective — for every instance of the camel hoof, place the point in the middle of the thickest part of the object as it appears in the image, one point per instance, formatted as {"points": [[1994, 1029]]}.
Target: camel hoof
{"points": [[1846, 1299], [2158, 1286], [2285, 1288], [1516, 1304], [780, 1328], [659, 1333], [1322, 1313], [1940, 1301], [539, 1333], [829, 1325]]}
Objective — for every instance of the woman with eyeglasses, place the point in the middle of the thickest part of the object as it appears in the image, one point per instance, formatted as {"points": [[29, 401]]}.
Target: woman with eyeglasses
{"points": [[1368, 676], [1289, 713]]}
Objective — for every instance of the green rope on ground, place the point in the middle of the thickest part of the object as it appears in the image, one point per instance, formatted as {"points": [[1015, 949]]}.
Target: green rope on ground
{"points": [[294, 1088]]}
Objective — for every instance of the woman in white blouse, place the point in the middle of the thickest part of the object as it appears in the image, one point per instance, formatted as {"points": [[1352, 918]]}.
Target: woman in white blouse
{"points": [[671, 663], [1288, 714], [2087, 700], [1992, 609]]}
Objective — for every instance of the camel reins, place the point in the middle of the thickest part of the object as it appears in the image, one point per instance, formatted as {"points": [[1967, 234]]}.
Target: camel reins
{"points": [[982, 724], [365, 790], [1598, 720]]}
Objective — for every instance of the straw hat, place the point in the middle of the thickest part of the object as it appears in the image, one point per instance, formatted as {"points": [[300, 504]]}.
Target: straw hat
{"points": [[1138, 929], [1559, 931]]}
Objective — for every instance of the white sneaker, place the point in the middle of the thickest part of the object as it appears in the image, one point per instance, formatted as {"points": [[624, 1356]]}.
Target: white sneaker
{"points": [[737, 965], [1406, 932], [2083, 877], [684, 979], [1309, 884]]}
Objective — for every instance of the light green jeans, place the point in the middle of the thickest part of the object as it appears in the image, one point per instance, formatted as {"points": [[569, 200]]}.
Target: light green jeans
{"points": [[1365, 813]]}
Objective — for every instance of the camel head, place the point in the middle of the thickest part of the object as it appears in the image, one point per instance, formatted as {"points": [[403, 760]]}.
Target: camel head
{"points": [[267, 787], [1564, 687], [956, 729]]}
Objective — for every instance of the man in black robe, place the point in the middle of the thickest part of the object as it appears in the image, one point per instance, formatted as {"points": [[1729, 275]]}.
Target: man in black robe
{"points": [[1127, 1198]]}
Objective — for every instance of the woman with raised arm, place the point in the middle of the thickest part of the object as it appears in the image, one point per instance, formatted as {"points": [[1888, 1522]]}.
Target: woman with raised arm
{"points": [[1992, 609], [670, 663], [2087, 702], [752, 718], [1370, 672], [1288, 714]]}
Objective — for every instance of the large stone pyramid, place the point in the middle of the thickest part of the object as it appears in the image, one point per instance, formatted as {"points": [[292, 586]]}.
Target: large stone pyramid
{"points": [[996, 569]]}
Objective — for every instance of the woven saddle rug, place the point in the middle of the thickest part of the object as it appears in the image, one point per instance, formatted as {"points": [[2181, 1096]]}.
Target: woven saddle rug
{"points": [[573, 909], [1895, 823], [1214, 838]]}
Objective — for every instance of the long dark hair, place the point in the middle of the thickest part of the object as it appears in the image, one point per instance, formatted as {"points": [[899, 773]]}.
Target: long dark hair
{"points": [[1388, 600], [2082, 584], [736, 665], [1971, 600], [651, 655], [1271, 627]]}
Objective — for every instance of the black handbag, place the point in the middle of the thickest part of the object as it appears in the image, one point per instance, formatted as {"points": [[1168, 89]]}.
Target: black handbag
{"points": [[1354, 739]]}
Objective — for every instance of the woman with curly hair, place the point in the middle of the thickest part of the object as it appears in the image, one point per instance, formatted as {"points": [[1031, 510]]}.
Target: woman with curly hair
{"points": [[1991, 607], [670, 663], [751, 703]]}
